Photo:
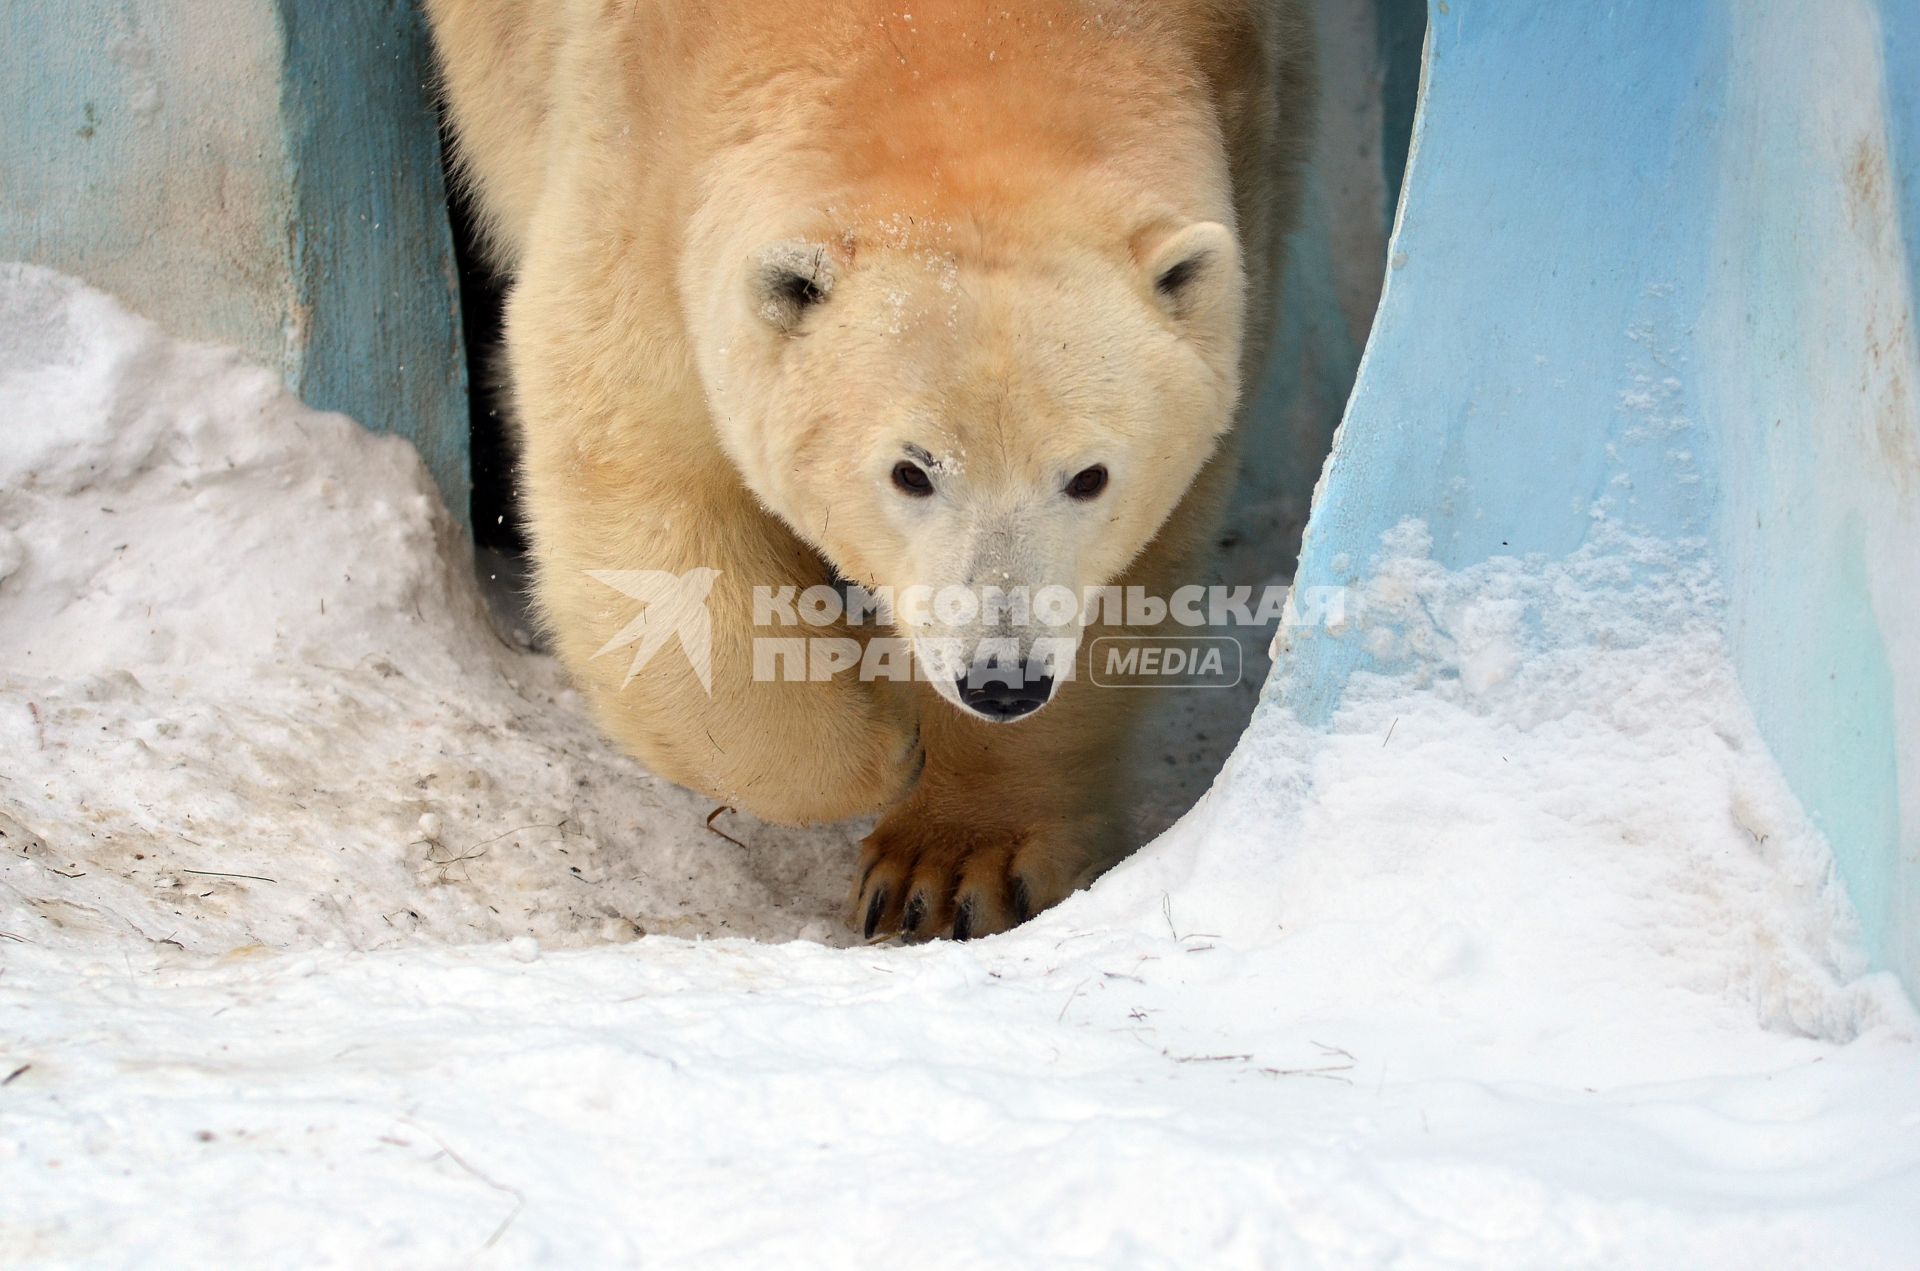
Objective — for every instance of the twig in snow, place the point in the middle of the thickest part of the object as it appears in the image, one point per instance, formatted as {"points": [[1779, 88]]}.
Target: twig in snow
{"points": [[1329, 1073], [1207, 1059], [474, 855], [9, 1078], [1166, 911], [561, 827], [214, 873], [519, 1197], [714, 829], [1069, 1002], [1390, 727], [39, 725]]}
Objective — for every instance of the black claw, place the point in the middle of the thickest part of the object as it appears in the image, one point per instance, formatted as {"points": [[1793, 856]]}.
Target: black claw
{"points": [[916, 913], [963, 921], [874, 907], [1022, 901]]}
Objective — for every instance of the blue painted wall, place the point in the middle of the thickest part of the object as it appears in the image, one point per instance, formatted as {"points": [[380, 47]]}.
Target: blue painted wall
{"points": [[372, 252], [1653, 270], [142, 151], [260, 173]]}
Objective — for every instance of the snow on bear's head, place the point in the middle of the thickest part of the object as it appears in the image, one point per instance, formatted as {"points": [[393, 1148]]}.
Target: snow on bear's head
{"points": [[946, 415]]}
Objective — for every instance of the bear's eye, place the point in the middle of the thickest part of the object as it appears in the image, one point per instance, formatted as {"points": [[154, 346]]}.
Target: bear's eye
{"points": [[912, 479], [1088, 483]]}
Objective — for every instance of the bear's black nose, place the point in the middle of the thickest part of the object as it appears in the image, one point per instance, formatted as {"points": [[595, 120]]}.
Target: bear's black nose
{"points": [[1004, 693]]}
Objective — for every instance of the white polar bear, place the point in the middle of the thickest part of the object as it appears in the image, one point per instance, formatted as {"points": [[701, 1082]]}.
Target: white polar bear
{"points": [[950, 294]]}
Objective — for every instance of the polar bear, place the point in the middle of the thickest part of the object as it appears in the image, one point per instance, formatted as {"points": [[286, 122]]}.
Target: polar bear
{"points": [[950, 293]]}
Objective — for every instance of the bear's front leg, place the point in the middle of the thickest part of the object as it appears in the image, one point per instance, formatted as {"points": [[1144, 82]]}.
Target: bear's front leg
{"points": [[658, 629], [1006, 819]]}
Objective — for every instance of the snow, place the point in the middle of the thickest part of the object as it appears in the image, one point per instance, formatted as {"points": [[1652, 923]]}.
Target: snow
{"points": [[237, 643], [1528, 959]]}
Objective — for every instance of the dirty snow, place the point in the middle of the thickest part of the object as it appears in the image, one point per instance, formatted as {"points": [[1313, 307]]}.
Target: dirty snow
{"points": [[320, 909], [237, 643]]}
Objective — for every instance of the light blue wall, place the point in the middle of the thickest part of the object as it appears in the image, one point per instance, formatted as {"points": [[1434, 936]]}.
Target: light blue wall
{"points": [[1900, 26], [1653, 271], [260, 173], [142, 150], [1815, 397]]}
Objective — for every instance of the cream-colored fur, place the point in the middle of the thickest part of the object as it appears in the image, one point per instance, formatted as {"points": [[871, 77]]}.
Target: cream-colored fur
{"points": [[762, 249]]}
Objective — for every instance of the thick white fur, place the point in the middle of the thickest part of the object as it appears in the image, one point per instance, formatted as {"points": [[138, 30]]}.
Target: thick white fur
{"points": [[985, 199]]}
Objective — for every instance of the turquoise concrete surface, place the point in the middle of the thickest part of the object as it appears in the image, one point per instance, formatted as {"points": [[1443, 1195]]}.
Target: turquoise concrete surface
{"points": [[1654, 272], [372, 250], [259, 173]]}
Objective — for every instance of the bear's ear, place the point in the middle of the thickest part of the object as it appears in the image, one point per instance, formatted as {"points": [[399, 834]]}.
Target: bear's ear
{"points": [[787, 280], [1193, 269]]}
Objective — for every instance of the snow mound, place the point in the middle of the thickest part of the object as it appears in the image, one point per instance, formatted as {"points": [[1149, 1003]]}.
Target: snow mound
{"points": [[248, 697], [1528, 959]]}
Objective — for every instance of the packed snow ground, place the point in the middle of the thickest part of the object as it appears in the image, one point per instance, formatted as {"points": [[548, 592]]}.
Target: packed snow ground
{"points": [[320, 911]]}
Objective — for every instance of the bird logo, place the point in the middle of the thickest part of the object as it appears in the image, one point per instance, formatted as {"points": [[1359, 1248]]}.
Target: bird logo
{"points": [[671, 605]]}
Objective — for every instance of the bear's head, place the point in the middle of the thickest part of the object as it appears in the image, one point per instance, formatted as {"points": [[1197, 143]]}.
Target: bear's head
{"points": [[968, 307], [982, 436]]}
